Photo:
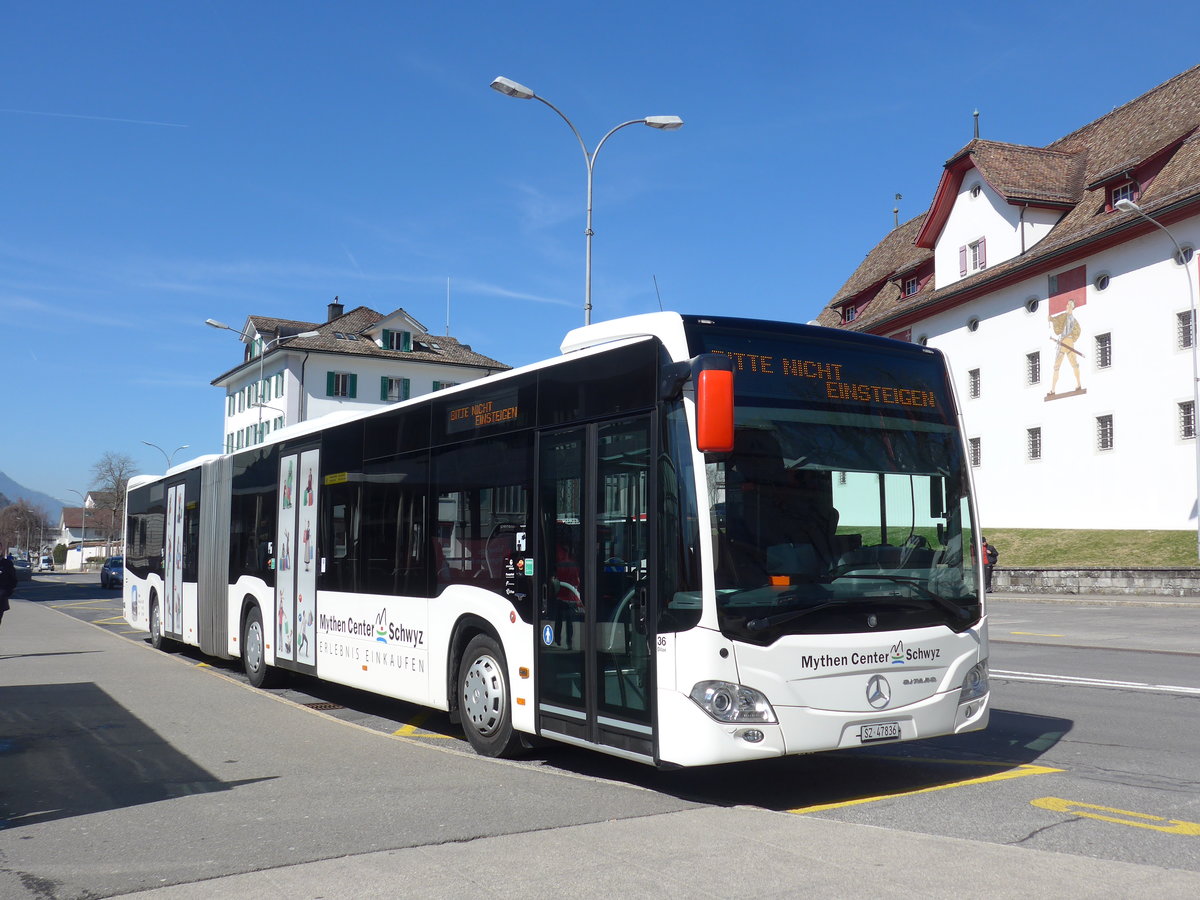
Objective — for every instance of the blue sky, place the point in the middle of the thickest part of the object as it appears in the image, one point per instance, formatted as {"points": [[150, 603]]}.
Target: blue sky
{"points": [[163, 163]]}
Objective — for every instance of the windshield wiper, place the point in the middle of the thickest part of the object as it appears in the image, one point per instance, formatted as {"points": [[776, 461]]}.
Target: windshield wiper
{"points": [[944, 602], [780, 618]]}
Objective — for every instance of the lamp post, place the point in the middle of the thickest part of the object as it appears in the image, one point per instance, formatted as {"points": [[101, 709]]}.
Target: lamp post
{"points": [[510, 88], [170, 458], [213, 323], [82, 523], [1130, 206]]}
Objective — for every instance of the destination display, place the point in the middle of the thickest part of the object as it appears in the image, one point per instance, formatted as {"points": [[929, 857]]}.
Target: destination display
{"points": [[481, 414], [829, 373]]}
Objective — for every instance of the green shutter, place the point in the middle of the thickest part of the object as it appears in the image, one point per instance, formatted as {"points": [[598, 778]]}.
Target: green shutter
{"points": [[329, 380], [406, 341], [387, 340], [404, 390], [353, 386], [383, 380]]}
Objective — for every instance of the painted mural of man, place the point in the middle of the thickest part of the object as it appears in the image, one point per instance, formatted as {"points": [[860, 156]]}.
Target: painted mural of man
{"points": [[1066, 332]]}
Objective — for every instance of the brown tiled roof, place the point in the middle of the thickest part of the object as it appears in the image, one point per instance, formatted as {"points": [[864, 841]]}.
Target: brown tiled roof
{"points": [[428, 348], [1030, 173], [895, 253], [1162, 124]]}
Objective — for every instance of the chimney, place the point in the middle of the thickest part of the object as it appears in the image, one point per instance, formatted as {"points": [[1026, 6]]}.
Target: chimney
{"points": [[335, 310]]}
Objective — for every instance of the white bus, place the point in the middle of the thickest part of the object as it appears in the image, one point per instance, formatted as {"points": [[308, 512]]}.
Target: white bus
{"points": [[684, 541]]}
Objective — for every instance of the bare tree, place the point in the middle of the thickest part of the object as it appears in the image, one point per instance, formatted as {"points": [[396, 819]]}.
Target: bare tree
{"points": [[22, 525], [111, 474]]}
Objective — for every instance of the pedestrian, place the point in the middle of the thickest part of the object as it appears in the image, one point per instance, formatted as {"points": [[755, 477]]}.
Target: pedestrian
{"points": [[8, 580], [990, 555]]}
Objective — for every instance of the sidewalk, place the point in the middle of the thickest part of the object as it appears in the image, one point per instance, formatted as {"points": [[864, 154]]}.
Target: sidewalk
{"points": [[127, 771]]}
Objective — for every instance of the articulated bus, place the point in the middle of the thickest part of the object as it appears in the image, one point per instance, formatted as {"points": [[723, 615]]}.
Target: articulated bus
{"points": [[684, 541]]}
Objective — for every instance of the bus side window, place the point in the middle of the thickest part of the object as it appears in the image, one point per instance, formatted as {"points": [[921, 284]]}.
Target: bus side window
{"points": [[483, 489]]}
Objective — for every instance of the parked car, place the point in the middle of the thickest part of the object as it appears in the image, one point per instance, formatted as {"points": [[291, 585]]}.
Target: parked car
{"points": [[23, 568], [112, 573], [46, 564]]}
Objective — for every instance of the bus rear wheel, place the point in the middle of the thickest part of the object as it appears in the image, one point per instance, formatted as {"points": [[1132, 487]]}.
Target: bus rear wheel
{"points": [[254, 651], [157, 640], [483, 699]]}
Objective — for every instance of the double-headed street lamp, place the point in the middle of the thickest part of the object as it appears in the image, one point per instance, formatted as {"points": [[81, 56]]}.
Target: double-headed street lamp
{"points": [[510, 88], [169, 458], [262, 355], [1186, 263]]}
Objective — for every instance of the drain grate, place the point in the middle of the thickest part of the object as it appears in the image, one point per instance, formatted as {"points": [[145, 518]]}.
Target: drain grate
{"points": [[324, 706]]}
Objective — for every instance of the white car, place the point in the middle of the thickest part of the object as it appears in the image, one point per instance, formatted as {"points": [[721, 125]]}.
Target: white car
{"points": [[46, 564]]}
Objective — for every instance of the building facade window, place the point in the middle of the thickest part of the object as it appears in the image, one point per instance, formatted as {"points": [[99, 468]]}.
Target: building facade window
{"points": [[393, 389], [911, 286], [279, 385], [442, 385], [341, 384], [1104, 432], [1033, 443], [1184, 331], [1187, 420], [1103, 350], [975, 452], [973, 384], [229, 443], [1033, 367], [848, 313]]}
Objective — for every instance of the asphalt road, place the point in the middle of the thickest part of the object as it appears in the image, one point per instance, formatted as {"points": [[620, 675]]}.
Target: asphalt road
{"points": [[169, 770]]}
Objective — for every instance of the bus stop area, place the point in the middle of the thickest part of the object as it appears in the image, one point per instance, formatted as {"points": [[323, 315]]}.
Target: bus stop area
{"points": [[124, 771]]}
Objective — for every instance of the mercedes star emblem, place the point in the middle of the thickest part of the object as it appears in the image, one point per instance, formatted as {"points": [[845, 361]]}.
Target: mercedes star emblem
{"points": [[879, 692]]}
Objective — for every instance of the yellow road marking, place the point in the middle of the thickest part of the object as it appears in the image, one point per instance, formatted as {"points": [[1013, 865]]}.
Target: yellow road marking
{"points": [[410, 730], [1075, 808], [113, 620], [1037, 634], [1019, 772]]}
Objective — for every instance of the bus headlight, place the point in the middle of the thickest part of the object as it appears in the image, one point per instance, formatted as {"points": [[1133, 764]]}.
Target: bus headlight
{"points": [[975, 685], [733, 703]]}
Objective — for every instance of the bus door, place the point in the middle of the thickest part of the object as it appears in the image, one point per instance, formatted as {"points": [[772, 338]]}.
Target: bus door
{"points": [[595, 524], [296, 560], [181, 546]]}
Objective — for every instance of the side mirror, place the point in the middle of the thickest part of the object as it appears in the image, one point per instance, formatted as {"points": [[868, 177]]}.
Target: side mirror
{"points": [[714, 403]]}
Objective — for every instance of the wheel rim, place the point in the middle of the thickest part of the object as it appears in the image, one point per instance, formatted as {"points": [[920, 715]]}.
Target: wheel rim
{"points": [[254, 645], [483, 695], [154, 629]]}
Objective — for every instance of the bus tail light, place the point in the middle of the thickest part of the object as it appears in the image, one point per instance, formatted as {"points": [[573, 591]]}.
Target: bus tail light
{"points": [[733, 703], [714, 404]]}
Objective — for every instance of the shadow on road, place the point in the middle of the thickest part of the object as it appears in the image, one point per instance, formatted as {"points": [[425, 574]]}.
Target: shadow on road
{"points": [[70, 749]]}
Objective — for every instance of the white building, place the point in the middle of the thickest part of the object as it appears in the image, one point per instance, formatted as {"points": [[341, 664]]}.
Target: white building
{"points": [[293, 371], [1067, 321], [91, 531]]}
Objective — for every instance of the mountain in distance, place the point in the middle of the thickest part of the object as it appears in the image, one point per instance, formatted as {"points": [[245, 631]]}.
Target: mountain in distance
{"points": [[14, 492]]}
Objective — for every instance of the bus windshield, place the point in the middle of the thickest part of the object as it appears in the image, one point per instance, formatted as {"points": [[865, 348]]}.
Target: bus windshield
{"points": [[844, 506]]}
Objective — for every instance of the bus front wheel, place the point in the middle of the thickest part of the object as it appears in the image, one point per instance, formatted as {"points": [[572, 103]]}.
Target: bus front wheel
{"points": [[483, 699]]}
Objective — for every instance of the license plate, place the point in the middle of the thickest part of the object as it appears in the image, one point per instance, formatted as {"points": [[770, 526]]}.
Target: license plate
{"points": [[879, 731]]}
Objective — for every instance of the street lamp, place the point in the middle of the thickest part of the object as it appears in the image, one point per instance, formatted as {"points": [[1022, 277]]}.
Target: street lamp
{"points": [[262, 355], [1186, 263], [510, 88], [82, 523], [164, 452]]}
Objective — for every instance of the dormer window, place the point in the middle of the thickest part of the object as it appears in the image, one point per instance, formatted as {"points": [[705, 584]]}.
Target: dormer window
{"points": [[1125, 191], [911, 286], [396, 340], [848, 313]]}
